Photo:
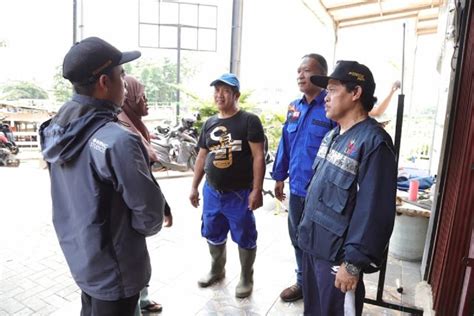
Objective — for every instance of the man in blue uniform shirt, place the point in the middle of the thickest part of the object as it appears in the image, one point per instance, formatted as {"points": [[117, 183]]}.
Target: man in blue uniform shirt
{"points": [[304, 129], [350, 206]]}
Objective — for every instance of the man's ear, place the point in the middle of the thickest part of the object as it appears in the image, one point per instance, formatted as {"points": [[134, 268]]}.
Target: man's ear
{"points": [[357, 93], [103, 82]]}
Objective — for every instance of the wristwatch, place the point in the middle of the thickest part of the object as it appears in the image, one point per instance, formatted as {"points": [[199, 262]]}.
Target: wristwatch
{"points": [[351, 268]]}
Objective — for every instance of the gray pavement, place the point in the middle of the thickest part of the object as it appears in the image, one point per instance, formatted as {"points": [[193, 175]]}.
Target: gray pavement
{"points": [[35, 280]]}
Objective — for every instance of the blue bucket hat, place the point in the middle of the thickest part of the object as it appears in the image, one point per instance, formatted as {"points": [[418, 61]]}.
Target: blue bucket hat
{"points": [[228, 79]]}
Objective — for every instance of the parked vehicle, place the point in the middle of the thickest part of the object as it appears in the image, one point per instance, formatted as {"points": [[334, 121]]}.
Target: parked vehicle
{"points": [[176, 147], [8, 153]]}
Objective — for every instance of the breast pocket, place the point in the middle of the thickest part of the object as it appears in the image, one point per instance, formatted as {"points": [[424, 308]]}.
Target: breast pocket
{"points": [[292, 127], [314, 138], [336, 192]]}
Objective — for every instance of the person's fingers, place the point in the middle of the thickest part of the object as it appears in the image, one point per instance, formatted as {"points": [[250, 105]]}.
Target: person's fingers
{"points": [[280, 195], [343, 288]]}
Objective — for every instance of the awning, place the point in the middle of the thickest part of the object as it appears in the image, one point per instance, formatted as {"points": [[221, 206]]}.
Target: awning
{"points": [[347, 13]]}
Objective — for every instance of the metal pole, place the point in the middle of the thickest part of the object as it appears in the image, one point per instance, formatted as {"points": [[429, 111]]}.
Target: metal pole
{"points": [[236, 39], [401, 102], [398, 134], [74, 21], [178, 73]]}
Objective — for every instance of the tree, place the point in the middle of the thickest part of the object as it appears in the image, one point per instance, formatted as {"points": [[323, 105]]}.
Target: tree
{"points": [[159, 78], [62, 88], [22, 90]]}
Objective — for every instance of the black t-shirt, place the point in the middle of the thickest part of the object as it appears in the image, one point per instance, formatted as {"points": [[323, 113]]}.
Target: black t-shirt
{"points": [[229, 161]]}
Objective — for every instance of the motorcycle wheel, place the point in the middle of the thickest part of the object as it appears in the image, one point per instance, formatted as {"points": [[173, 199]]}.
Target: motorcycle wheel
{"points": [[15, 150], [192, 162]]}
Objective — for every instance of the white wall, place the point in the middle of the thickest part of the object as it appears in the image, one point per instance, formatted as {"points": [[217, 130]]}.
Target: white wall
{"points": [[276, 34]]}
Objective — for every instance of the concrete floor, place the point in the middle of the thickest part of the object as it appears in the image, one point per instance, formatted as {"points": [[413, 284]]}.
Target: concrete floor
{"points": [[35, 280]]}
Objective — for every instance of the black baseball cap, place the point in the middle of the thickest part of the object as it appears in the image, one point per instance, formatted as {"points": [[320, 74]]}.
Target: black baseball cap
{"points": [[349, 71], [91, 57]]}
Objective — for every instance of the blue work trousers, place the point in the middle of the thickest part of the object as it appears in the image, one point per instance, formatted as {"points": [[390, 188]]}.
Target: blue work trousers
{"points": [[224, 211]]}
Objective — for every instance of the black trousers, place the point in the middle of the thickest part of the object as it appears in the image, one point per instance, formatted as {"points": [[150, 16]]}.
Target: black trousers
{"points": [[95, 307]]}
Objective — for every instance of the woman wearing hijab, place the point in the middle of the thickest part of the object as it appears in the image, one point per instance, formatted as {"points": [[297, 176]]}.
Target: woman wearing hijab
{"points": [[134, 108]]}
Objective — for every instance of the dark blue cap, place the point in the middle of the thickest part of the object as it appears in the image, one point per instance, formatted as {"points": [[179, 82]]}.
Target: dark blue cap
{"points": [[228, 79], [91, 57], [349, 71]]}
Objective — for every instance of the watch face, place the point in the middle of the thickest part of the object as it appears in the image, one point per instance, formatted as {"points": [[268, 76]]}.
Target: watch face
{"points": [[352, 269]]}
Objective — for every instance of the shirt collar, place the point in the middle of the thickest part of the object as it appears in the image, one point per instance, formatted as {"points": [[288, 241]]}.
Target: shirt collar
{"points": [[318, 100], [98, 103]]}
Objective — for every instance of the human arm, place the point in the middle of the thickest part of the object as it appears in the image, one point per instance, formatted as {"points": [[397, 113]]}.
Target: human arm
{"points": [[279, 190], [382, 107], [198, 175], [373, 217], [281, 164], [372, 221], [135, 182], [258, 168]]}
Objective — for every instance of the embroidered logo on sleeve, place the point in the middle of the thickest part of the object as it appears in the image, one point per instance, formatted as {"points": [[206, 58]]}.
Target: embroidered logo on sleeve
{"points": [[98, 145]]}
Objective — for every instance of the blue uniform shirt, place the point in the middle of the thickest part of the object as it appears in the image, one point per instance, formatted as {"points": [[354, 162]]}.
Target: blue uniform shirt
{"points": [[305, 126]]}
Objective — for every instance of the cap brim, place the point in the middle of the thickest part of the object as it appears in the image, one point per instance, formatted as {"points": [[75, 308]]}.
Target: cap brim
{"points": [[222, 81], [129, 56], [320, 81]]}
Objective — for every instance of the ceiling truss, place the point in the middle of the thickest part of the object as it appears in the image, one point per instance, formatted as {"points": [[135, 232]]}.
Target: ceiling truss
{"points": [[349, 13]]}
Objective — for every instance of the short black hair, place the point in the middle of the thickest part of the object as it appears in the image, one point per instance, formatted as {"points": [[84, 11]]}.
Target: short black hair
{"points": [[89, 87], [367, 100], [323, 65]]}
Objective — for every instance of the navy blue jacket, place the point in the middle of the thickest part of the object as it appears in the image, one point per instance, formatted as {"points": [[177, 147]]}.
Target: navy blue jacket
{"points": [[350, 206], [305, 126], [105, 199]]}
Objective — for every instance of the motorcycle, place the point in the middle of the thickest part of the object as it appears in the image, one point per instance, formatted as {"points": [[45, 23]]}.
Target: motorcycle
{"points": [[176, 147], [8, 151]]}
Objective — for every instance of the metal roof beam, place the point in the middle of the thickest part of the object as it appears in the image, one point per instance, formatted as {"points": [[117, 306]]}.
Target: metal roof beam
{"points": [[409, 11]]}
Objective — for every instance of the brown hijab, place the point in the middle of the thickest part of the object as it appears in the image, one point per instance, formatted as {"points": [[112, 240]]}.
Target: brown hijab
{"points": [[131, 107]]}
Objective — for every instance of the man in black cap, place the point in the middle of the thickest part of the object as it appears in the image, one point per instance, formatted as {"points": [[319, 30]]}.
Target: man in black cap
{"points": [[102, 207], [350, 206]]}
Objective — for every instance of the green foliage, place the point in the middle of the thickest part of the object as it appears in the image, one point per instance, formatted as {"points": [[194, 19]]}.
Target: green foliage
{"points": [[159, 78], [22, 90], [62, 88], [207, 108], [272, 123]]}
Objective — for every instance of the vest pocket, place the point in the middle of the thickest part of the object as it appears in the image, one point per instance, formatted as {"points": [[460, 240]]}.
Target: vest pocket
{"points": [[336, 191], [328, 235]]}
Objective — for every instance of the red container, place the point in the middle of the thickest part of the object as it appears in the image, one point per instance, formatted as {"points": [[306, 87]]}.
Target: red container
{"points": [[413, 190]]}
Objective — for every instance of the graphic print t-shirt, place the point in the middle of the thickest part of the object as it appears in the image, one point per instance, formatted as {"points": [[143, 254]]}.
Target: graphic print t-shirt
{"points": [[229, 162]]}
